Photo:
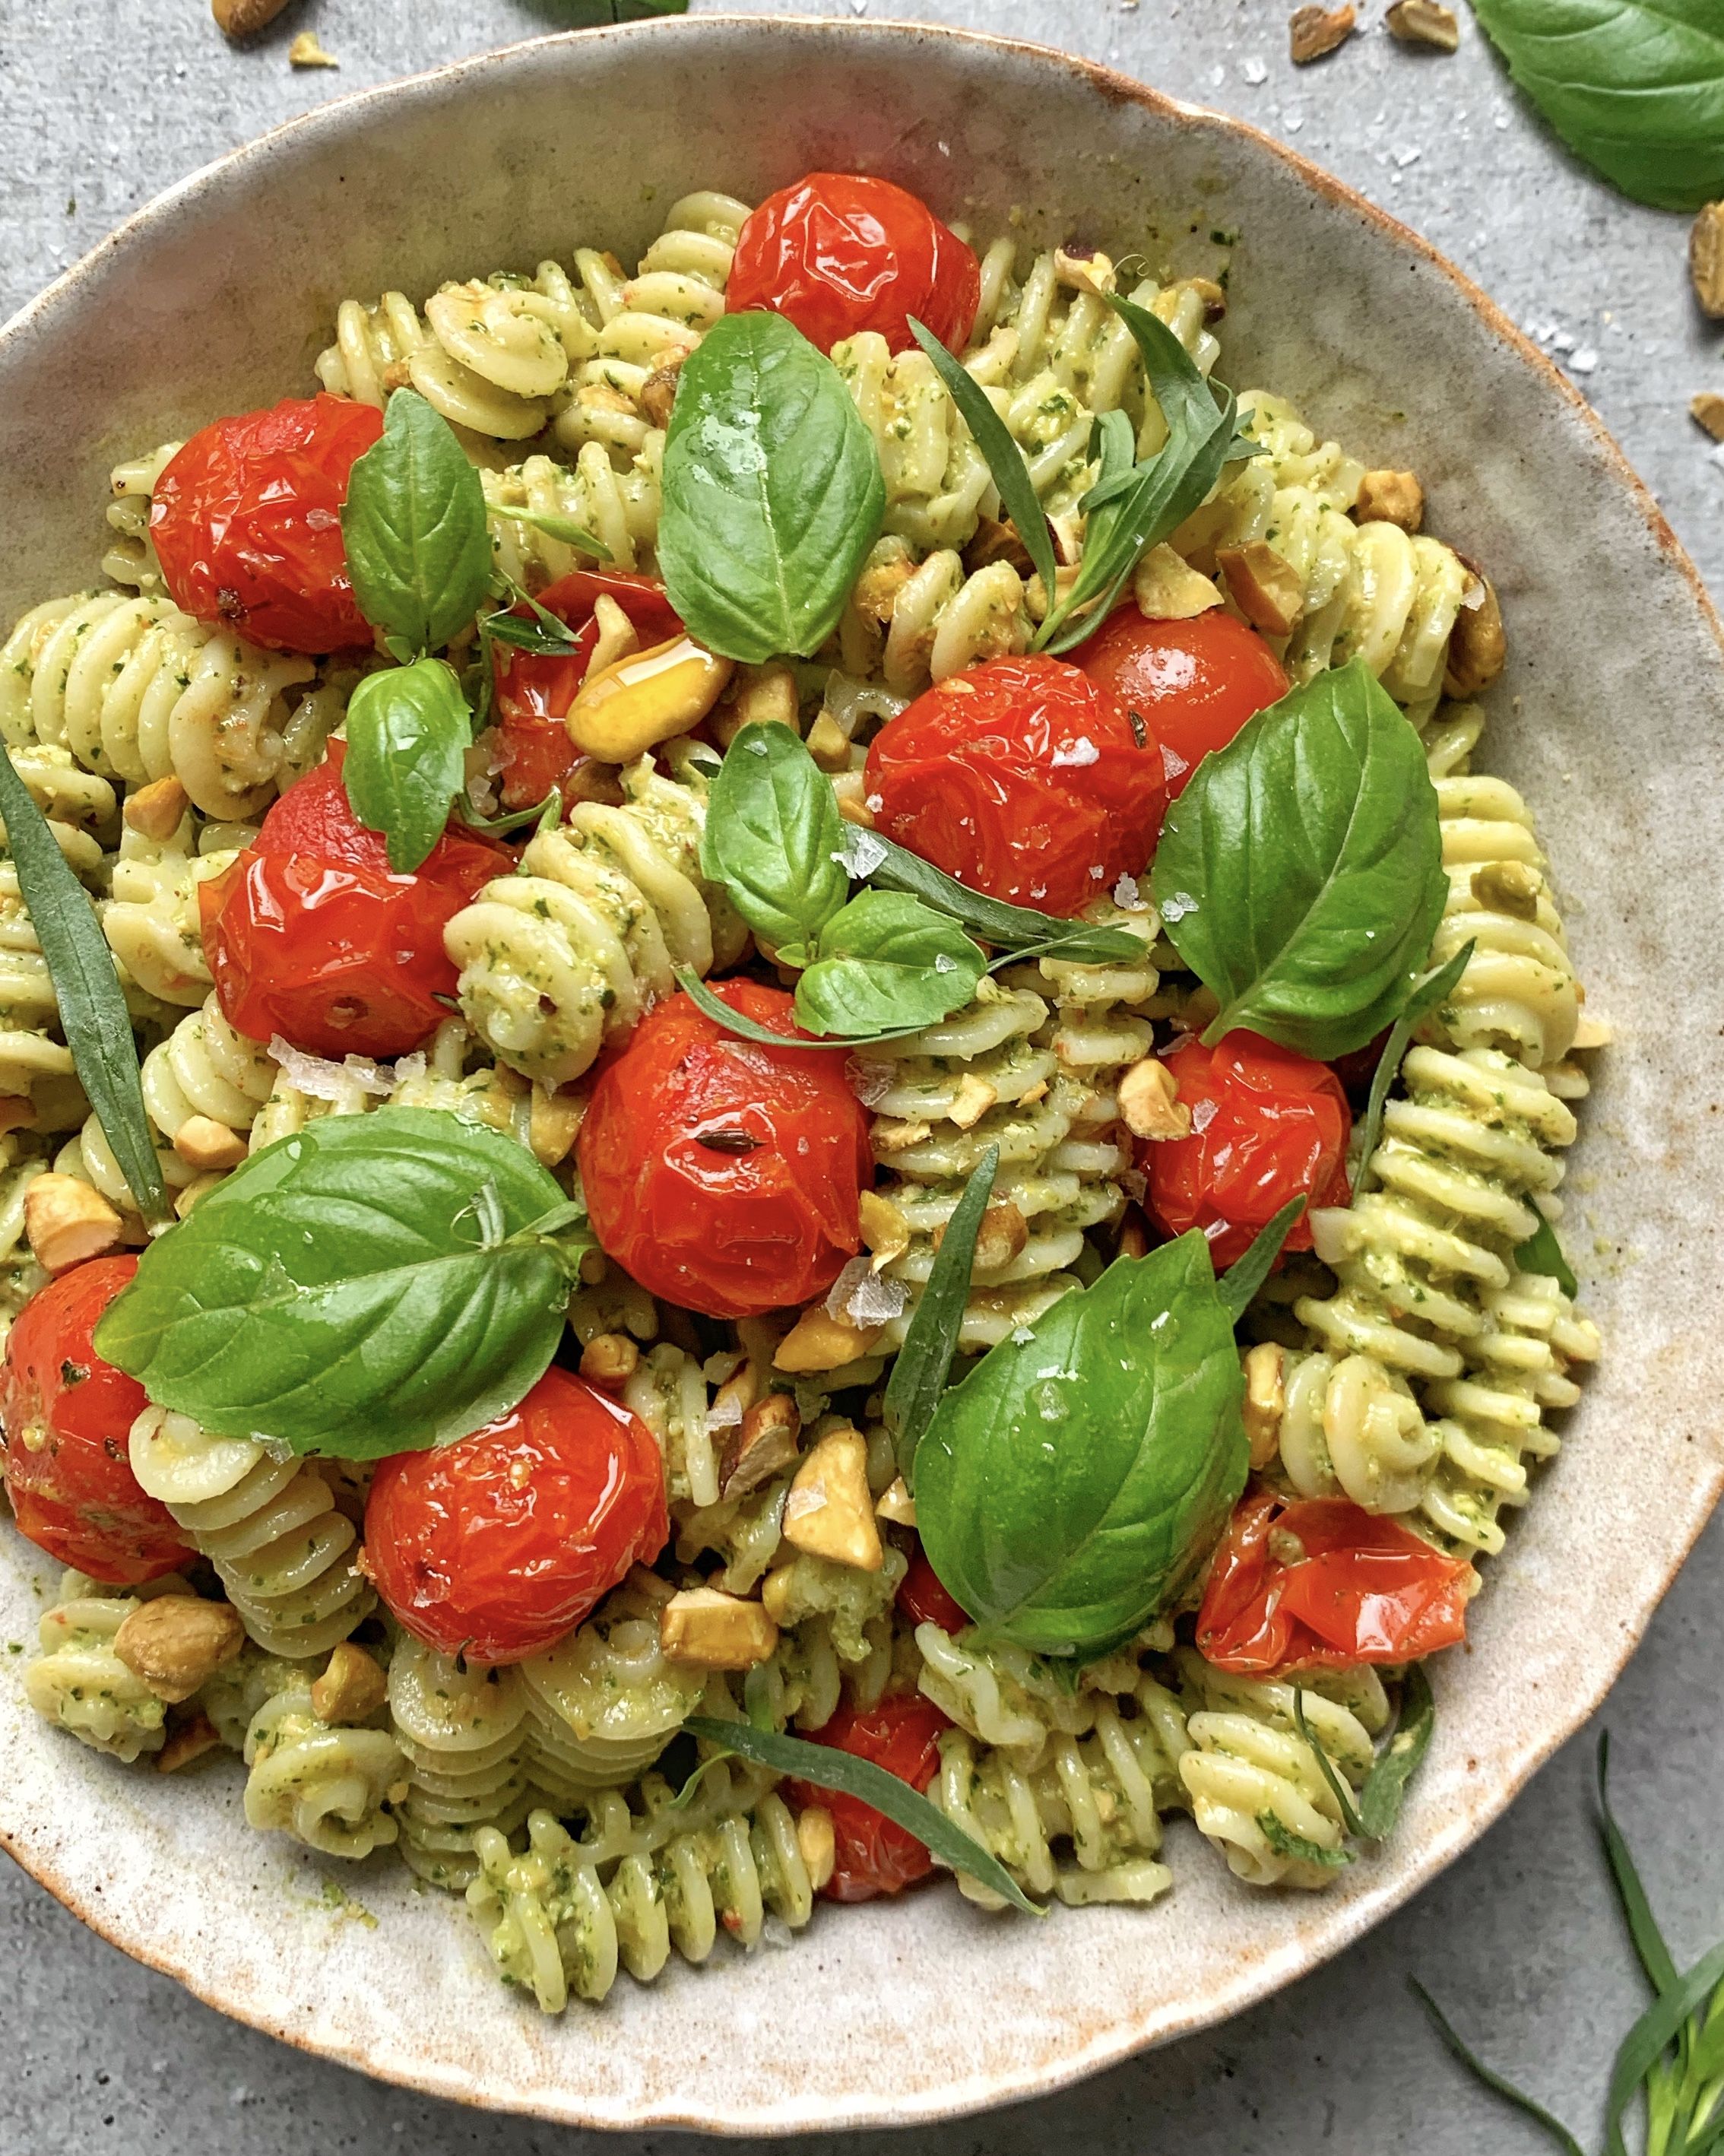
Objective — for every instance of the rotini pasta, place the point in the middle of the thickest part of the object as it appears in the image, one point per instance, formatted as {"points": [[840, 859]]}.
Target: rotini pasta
{"points": [[78, 1682]]}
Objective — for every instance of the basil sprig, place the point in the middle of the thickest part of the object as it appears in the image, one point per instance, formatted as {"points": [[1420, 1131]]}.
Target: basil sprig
{"points": [[1541, 1253], [1068, 1488], [92, 1004], [1300, 874], [829, 1769], [1372, 1817], [372, 1285], [1426, 998], [554, 527], [1635, 87], [884, 961], [772, 491], [418, 546], [409, 729], [1247, 1273], [1018, 929], [923, 1363]]}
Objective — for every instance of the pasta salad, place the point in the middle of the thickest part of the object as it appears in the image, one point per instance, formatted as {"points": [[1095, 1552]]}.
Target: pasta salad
{"points": [[776, 1108]]}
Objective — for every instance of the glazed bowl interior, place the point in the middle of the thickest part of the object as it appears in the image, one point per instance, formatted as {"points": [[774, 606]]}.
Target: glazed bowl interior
{"points": [[217, 297]]}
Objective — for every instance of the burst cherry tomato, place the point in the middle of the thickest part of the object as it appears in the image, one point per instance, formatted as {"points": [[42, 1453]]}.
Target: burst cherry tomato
{"points": [[839, 253], [723, 1175], [1267, 1125], [534, 693], [924, 1601], [875, 1855], [498, 1545], [311, 934], [247, 522], [67, 1416], [1323, 1584], [1023, 779], [1194, 683]]}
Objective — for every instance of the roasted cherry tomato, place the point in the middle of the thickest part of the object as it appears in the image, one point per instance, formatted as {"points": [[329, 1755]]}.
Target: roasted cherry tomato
{"points": [[1193, 683], [873, 1855], [496, 1546], [924, 1601], [247, 523], [1022, 778], [67, 1417], [1323, 1585], [310, 934], [534, 693], [720, 1175], [839, 253], [1267, 1125]]}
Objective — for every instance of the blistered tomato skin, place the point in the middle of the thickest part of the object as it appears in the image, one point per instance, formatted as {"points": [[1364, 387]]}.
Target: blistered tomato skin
{"points": [[872, 1855], [1022, 778], [720, 1175], [497, 1545], [1267, 1126], [1194, 683], [67, 1416], [310, 934], [534, 693], [839, 253], [922, 1598], [246, 521]]}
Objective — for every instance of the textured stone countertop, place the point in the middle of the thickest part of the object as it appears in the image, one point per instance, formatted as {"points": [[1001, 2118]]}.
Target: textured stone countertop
{"points": [[1519, 1939]]}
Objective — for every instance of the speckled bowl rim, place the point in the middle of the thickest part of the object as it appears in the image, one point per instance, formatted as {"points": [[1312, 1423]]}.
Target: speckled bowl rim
{"points": [[1403, 1877]]}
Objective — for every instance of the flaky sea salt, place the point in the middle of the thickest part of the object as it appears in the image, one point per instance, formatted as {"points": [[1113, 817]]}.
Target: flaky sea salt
{"points": [[860, 853], [862, 1296], [1204, 1115], [1082, 750], [1126, 895], [324, 1080], [870, 1082], [1177, 905]]}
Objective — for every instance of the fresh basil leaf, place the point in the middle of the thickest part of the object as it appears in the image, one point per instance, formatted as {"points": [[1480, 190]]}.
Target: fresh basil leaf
{"points": [[514, 820], [773, 493], [1426, 998], [1300, 1847], [1499, 2084], [92, 1004], [1635, 87], [924, 1362], [1003, 458], [1385, 1789], [886, 960], [527, 636], [408, 731], [1068, 1488], [745, 1029], [1015, 928], [334, 1291], [418, 546], [772, 836], [828, 1768], [1246, 1275], [1541, 1253], [554, 527], [1300, 875], [1338, 1789]]}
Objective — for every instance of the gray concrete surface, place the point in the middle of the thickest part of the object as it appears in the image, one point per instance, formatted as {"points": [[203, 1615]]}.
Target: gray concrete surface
{"points": [[104, 106]]}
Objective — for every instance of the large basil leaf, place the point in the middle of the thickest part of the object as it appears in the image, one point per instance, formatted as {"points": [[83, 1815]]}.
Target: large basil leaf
{"points": [[418, 544], [1636, 87], [373, 1283], [1071, 1486], [409, 729], [92, 1004], [772, 837], [886, 961], [1300, 874], [773, 493]]}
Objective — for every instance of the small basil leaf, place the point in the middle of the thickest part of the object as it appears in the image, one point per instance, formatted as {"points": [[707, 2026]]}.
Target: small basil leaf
{"points": [[408, 730], [1246, 1275], [1338, 1789], [745, 1029], [514, 820], [1015, 928], [829, 1769], [418, 546], [554, 527], [886, 960], [1541, 1253], [1300, 874], [333, 1290], [773, 835], [92, 1004], [1426, 998], [1385, 1789], [773, 492], [1635, 87], [924, 1362], [1299, 1847], [1499, 2084], [1068, 1488], [1003, 458]]}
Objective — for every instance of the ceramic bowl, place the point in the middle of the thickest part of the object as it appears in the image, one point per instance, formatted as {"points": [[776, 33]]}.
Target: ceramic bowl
{"points": [[217, 297]]}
